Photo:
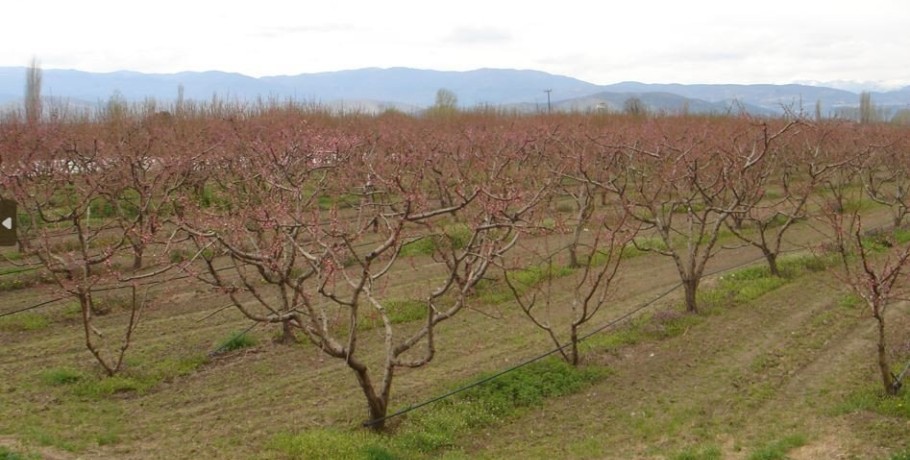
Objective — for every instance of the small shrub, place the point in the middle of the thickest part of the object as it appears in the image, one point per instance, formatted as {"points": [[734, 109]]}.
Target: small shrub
{"points": [[236, 341]]}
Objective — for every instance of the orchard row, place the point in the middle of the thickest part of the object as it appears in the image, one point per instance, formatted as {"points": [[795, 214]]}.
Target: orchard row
{"points": [[304, 220]]}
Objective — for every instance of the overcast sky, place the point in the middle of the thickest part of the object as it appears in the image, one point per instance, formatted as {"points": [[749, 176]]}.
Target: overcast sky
{"points": [[693, 41]]}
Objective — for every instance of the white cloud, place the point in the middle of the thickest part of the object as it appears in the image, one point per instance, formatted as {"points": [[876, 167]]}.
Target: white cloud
{"points": [[477, 35]]}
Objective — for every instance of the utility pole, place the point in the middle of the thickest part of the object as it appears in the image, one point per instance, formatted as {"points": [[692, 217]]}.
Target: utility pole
{"points": [[548, 91]]}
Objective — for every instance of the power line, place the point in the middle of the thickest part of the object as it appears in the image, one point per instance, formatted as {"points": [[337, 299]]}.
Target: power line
{"points": [[21, 310]]}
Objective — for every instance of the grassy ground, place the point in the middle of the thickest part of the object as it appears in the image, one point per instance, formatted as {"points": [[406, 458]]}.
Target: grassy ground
{"points": [[770, 369]]}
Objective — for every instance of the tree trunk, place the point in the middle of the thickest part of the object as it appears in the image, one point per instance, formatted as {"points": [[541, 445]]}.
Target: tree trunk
{"points": [[573, 252], [573, 356], [883, 364], [691, 286], [377, 403], [137, 257], [771, 257], [287, 333]]}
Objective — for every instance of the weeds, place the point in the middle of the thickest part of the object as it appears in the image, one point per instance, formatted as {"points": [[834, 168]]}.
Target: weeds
{"points": [[873, 399], [453, 236], [61, 376], [22, 279], [489, 403], [777, 450], [523, 279], [439, 426], [8, 454], [748, 284], [399, 311], [703, 453], [235, 341], [329, 443], [138, 378], [24, 322]]}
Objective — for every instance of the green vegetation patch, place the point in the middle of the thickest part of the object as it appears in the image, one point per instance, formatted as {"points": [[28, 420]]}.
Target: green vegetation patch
{"points": [[139, 377], [331, 443], [880, 240], [750, 283], [489, 403], [710, 452], [236, 341], [739, 287], [643, 245], [658, 325], [9, 454], [399, 311], [23, 322], [22, 279], [455, 236], [61, 376], [423, 246], [777, 450], [497, 292], [441, 424], [873, 399], [343, 201]]}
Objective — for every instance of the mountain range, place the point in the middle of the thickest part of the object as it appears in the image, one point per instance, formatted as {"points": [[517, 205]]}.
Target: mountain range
{"points": [[411, 90]]}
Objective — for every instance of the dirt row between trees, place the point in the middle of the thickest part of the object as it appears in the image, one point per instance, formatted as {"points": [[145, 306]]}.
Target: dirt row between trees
{"points": [[749, 376], [692, 386]]}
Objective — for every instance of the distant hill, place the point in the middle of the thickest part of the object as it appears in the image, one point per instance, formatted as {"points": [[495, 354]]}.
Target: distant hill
{"points": [[657, 101], [375, 89]]}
